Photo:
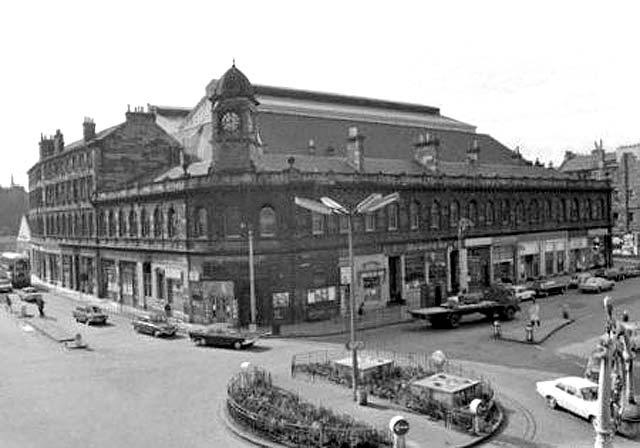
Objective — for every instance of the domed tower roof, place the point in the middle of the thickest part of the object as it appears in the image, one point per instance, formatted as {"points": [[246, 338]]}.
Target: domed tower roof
{"points": [[233, 84]]}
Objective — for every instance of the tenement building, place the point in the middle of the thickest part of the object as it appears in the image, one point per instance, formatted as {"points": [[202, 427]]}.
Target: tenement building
{"points": [[171, 205]]}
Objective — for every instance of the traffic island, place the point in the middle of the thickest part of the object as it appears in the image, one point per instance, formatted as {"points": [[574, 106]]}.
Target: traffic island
{"points": [[525, 333]]}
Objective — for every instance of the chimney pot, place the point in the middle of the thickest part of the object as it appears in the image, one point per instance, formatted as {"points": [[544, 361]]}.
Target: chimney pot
{"points": [[88, 129], [311, 145], [355, 149]]}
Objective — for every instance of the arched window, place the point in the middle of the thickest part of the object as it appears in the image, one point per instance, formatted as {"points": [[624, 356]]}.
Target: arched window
{"points": [[133, 223], [233, 222], [575, 210], [435, 215], [520, 218], [414, 215], [489, 213], [63, 231], [76, 225], [144, 223], [171, 223], [472, 211], [102, 225], [201, 223], [534, 211], [588, 213], [157, 222], [601, 213], [267, 222], [548, 210], [454, 214], [83, 227], [90, 223], [562, 211], [112, 223], [506, 211], [392, 217], [121, 223]]}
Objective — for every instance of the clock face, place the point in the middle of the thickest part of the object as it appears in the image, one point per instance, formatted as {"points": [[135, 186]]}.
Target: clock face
{"points": [[230, 122]]}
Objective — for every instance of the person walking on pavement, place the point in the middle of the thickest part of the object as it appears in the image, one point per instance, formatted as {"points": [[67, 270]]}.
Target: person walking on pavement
{"points": [[534, 313], [40, 304], [8, 303]]}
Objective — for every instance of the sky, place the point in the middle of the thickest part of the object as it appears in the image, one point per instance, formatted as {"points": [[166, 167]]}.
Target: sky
{"points": [[546, 76]]}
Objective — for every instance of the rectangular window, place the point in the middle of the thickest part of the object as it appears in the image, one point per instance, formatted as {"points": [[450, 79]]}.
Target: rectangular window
{"points": [[343, 223], [369, 222], [392, 217], [630, 217], [317, 223], [320, 295], [146, 279]]}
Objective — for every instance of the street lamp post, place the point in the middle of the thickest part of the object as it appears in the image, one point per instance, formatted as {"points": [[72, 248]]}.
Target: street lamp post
{"points": [[252, 284], [328, 206], [463, 224]]}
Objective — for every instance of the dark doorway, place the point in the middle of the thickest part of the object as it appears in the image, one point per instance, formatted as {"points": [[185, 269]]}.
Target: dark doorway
{"points": [[395, 282]]}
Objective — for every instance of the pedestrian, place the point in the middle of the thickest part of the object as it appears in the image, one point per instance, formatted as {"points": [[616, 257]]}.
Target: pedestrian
{"points": [[625, 315], [361, 309], [534, 313], [8, 303], [167, 310], [40, 304]]}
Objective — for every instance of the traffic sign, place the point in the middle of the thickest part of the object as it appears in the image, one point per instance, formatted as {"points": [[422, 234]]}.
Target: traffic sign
{"points": [[399, 425]]}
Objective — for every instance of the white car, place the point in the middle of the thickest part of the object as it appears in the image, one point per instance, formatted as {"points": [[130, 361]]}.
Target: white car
{"points": [[522, 292], [575, 394]]}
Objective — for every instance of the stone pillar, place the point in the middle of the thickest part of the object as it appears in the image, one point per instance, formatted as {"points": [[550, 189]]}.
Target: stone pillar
{"points": [[142, 301], [543, 256], [119, 280], [97, 276]]}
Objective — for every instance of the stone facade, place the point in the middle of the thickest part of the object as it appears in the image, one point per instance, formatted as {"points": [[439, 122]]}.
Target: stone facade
{"points": [[183, 236]]}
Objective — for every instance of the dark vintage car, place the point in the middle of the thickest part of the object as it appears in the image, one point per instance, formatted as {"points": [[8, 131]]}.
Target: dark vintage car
{"points": [[154, 324], [5, 285], [615, 274], [90, 314], [544, 288], [223, 337]]}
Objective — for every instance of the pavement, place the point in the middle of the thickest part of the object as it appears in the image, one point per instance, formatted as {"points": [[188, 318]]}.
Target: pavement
{"points": [[515, 331], [377, 413]]}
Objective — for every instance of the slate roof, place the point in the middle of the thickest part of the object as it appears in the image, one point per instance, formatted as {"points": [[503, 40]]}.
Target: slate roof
{"points": [[586, 162], [338, 164], [99, 136]]}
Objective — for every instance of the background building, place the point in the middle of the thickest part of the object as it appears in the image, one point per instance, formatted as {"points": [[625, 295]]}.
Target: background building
{"points": [[170, 223]]}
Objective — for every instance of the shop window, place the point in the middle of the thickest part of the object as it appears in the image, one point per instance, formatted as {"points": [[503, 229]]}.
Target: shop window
{"points": [[370, 222], [201, 222], [414, 265], [454, 217], [321, 295], [435, 215], [392, 217], [414, 215], [232, 222], [280, 301], [146, 279], [317, 223]]}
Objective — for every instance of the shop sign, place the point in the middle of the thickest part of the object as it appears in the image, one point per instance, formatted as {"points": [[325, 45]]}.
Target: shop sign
{"points": [[578, 243], [473, 242], [345, 275], [528, 248], [194, 276], [173, 273], [415, 247], [595, 232], [554, 245], [503, 254]]}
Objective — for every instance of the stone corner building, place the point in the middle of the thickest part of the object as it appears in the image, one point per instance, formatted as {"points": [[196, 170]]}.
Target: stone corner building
{"points": [[159, 209]]}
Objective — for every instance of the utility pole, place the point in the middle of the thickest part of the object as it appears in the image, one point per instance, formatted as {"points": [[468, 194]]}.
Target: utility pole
{"points": [[252, 287]]}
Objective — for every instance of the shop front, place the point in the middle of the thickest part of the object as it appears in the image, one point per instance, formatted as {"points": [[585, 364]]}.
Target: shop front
{"points": [[503, 266], [578, 254], [129, 282], [528, 260], [373, 288], [554, 250], [212, 301]]}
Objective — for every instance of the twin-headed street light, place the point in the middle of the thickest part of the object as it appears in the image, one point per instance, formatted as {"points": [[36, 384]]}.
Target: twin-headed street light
{"points": [[328, 206]]}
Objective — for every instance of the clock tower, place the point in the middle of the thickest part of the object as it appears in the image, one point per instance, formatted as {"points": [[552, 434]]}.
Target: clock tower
{"points": [[235, 134]]}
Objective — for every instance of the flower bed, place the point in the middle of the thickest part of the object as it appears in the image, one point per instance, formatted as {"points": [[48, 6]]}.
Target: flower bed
{"points": [[393, 385], [281, 416]]}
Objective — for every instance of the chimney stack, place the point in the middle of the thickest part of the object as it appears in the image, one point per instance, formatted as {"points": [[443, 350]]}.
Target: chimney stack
{"points": [[46, 146], [426, 150], [58, 142], [355, 149], [139, 116], [311, 146], [88, 129]]}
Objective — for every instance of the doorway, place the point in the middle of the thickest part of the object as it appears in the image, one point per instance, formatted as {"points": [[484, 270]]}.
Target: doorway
{"points": [[395, 280]]}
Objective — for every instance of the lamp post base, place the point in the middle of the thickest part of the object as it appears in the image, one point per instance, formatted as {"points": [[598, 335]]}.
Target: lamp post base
{"points": [[604, 439]]}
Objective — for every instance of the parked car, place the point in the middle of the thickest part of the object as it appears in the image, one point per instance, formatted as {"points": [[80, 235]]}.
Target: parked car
{"points": [[575, 394], [90, 314], [545, 288], [521, 292], [29, 294], [221, 337], [578, 279], [630, 271], [154, 324], [596, 284], [5, 285], [615, 274]]}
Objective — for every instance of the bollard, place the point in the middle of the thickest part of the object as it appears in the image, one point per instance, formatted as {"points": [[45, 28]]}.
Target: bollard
{"points": [[565, 311], [497, 333], [529, 332], [23, 311], [399, 426]]}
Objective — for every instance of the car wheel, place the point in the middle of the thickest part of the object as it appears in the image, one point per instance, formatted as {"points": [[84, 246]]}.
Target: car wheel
{"points": [[237, 345], [592, 419], [552, 403], [156, 334], [199, 342]]}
